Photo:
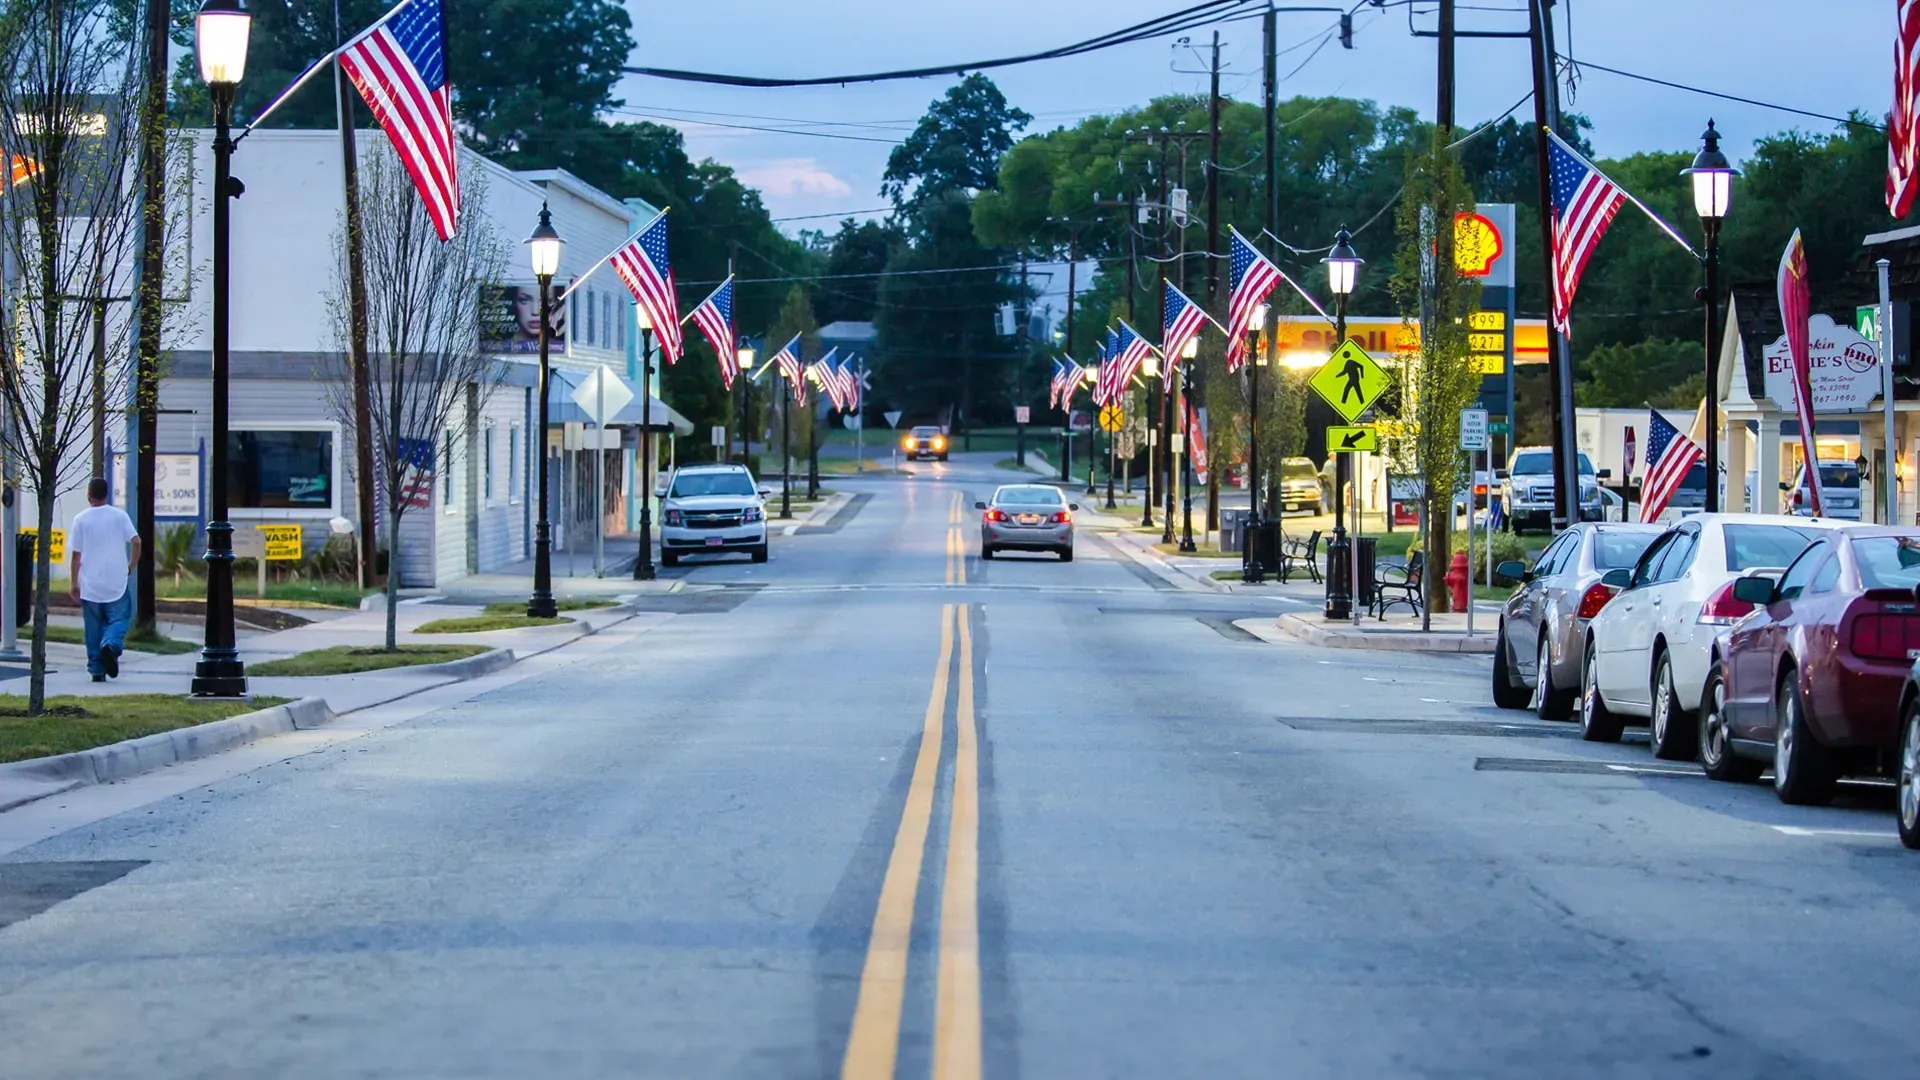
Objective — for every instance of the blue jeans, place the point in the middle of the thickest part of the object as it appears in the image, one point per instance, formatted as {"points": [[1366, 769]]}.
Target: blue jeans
{"points": [[106, 624]]}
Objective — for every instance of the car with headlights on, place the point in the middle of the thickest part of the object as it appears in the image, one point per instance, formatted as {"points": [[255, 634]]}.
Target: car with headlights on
{"points": [[1026, 517], [1645, 657], [1526, 495], [709, 510], [925, 441], [1812, 682], [1536, 653]]}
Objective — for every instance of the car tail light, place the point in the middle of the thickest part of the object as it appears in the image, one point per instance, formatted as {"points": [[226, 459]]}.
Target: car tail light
{"points": [[1063, 517], [1593, 600], [1721, 609], [674, 518], [1880, 636], [1479, 489], [995, 515]]}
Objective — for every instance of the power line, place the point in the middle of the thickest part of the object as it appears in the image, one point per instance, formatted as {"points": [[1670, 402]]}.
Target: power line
{"points": [[1847, 120]]}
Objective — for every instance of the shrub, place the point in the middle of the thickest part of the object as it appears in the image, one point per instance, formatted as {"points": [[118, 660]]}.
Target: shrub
{"points": [[1506, 546], [173, 550]]}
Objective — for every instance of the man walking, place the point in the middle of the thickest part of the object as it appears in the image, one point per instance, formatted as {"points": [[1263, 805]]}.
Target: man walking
{"points": [[104, 548]]}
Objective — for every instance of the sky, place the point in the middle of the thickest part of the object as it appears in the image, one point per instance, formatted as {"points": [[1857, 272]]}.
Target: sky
{"points": [[1826, 56]]}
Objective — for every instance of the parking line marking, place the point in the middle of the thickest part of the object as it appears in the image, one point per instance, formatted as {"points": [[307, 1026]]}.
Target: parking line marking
{"points": [[873, 1044], [956, 1026]]}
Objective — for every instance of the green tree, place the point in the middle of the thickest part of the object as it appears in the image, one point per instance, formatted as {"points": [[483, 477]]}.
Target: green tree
{"points": [[956, 147], [855, 257], [1660, 372]]}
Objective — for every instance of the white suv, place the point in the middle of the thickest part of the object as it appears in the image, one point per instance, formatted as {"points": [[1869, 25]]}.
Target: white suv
{"points": [[708, 509]]}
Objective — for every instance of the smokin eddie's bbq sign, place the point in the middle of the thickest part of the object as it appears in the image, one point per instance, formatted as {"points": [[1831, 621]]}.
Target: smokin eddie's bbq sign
{"points": [[1845, 369]]}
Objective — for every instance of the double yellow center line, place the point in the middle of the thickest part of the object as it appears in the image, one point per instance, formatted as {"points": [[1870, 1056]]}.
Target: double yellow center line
{"points": [[956, 541], [874, 1042]]}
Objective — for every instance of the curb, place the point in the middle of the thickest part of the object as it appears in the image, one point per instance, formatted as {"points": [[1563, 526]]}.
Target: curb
{"points": [[1161, 568], [121, 760], [471, 667], [1302, 628]]}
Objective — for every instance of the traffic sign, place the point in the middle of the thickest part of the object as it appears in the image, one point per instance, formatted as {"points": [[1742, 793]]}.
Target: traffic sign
{"points": [[1500, 427], [1350, 380], [601, 395], [893, 418], [719, 435], [1022, 413], [850, 421], [1111, 419], [1473, 429], [1348, 440]]}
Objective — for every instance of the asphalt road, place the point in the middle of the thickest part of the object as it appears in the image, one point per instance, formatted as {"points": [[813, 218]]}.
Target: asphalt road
{"points": [[876, 808]]}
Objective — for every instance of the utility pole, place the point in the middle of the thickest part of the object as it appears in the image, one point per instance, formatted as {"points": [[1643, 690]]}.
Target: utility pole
{"points": [[733, 400], [357, 317], [1444, 106], [1546, 117], [1020, 367]]}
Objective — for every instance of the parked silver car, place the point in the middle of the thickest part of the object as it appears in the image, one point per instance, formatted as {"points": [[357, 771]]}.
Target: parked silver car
{"points": [[1536, 659], [1839, 491], [1027, 517]]}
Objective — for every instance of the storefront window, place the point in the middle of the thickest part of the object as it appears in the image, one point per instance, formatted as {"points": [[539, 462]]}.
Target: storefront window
{"points": [[280, 470]]}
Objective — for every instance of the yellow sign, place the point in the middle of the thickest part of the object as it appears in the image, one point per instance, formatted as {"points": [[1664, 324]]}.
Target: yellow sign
{"points": [[1487, 320], [283, 542], [1491, 363], [1111, 419], [1476, 245], [59, 544], [1350, 381], [1349, 440]]}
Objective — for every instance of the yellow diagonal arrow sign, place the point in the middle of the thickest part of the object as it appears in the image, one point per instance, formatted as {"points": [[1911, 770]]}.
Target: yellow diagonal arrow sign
{"points": [[1349, 440]]}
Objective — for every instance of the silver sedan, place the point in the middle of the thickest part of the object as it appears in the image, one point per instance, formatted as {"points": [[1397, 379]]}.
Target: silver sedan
{"points": [[1537, 656], [1027, 517]]}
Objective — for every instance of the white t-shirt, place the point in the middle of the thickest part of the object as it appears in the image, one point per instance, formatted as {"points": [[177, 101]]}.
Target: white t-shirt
{"points": [[100, 535]]}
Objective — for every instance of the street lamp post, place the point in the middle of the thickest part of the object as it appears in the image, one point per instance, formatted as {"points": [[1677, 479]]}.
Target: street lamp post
{"points": [[1188, 353], [220, 43], [1253, 570], [643, 560], [1712, 193], [1342, 267], [543, 249], [744, 355]]}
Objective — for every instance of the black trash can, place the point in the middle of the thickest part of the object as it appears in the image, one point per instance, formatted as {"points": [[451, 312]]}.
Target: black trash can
{"points": [[1263, 543], [1364, 581], [22, 579]]}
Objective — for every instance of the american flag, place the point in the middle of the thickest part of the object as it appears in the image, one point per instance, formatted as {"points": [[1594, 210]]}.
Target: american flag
{"points": [[1903, 153], [1110, 387], [1055, 387], [1132, 352], [643, 264], [21, 169], [714, 316], [1253, 278], [1669, 457], [1584, 202], [399, 66], [826, 376], [1181, 320], [1795, 304], [789, 360], [416, 484]]}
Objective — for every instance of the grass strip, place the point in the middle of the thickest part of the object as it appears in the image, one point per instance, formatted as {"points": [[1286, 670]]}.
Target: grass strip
{"points": [[148, 643], [353, 659], [73, 722], [519, 607], [478, 624]]}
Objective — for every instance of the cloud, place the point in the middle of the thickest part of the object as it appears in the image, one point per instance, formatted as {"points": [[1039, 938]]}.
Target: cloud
{"points": [[795, 177]]}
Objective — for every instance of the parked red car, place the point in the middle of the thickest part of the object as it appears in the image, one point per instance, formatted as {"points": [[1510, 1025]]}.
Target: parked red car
{"points": [[1811, 681]]}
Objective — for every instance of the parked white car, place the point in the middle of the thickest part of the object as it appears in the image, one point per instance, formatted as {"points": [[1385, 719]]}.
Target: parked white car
{"points": [[1646, 651]]}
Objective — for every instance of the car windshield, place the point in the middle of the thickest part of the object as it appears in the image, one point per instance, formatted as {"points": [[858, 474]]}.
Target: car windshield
{"points": [[1888, 562], [1298, 468], [692, 485], [1616, 548], [1835, 474], [1541, 464], [1028, 496], [923, 432], [1749, 546]]}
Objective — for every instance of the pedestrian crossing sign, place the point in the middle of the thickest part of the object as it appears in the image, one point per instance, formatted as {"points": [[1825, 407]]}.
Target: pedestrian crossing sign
{"points": [[1350, 381]]}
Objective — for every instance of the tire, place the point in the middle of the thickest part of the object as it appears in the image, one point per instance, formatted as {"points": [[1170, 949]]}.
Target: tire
{"points": [[1717, 758], [1675, 734], [1549, 701], [1066, 553], [1909, 805], [759, 554], [986, 552], [1597, 724], [1804, 773], [1505, 694], [669, 558]]}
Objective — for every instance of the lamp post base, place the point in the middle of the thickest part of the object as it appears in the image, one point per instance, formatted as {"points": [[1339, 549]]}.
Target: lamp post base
{"points": [[541, 605], [1339, 579], [219, 676], [643, 569]]}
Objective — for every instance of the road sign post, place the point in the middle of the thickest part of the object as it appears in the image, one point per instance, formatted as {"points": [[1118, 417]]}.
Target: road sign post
{"points": [[1351, 382], [601, 395]]}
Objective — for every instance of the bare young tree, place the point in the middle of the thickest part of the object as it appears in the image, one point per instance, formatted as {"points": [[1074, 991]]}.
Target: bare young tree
{"points": [[69, 117], [423, 332]]}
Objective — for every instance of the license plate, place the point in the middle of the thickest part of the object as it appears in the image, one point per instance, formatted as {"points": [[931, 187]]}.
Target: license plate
{"points": [[1293, 506], [714, 541], [1029, 519]]}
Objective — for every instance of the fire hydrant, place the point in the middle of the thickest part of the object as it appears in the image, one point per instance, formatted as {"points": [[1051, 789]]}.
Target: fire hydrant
{"points": [[1458, 579]]}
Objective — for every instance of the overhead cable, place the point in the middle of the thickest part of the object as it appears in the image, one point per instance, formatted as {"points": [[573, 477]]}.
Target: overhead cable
{"points": [[1847, 120]]}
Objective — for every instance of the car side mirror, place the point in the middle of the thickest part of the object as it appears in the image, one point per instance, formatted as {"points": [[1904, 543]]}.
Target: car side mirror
{"points": [[979, 506], [1617, 579], [1603, 474], [1754, 589], [764, 492], [1513, 570], [1784, 486], [660, 490], [1499, 474]]}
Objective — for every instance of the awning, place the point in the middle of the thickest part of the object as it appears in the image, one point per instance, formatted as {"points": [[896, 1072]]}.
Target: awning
{"points": [[562, 410]]}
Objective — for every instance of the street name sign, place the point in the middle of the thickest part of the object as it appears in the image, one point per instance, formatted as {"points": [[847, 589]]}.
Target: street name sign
{"points": [[1350, 380], [1473, 429], [1350, 440]]}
